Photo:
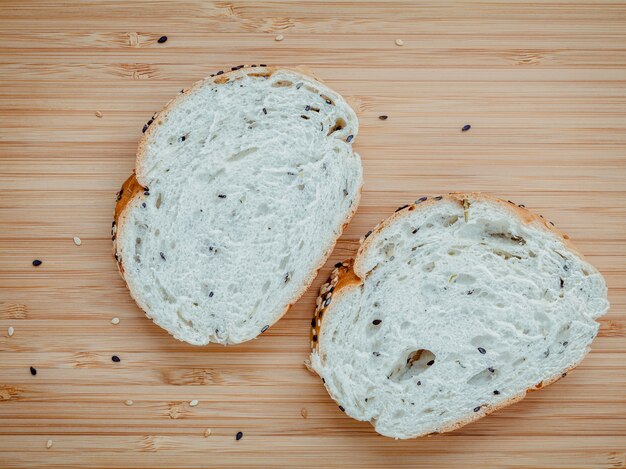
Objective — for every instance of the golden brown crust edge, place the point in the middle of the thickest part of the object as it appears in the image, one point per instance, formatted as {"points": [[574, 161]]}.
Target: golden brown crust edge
{"points": [[132, 188], [344, 275]]}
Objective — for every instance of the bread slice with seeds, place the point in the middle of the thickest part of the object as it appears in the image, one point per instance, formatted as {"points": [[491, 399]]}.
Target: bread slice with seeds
{"points": [[243, 184], [454, 307]]}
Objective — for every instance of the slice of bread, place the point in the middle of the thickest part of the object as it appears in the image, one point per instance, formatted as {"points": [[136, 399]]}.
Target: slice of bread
{"points": [[243, 184], [455, 307]]}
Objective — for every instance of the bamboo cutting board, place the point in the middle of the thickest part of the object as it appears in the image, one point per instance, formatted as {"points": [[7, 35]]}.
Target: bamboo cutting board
{"points": [[543, 86]]}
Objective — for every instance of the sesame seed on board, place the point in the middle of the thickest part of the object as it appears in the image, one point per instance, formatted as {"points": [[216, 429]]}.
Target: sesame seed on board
{"points": [[162, 39], [207, 432], [279, 37], [466, 127], [304, 413], [399, 42], [193, 403], [239, 436], [77, 241], [10, 331], [49, 444], [115, 321], [129, 402], [37, 262], [33, 370], [98, 114]]}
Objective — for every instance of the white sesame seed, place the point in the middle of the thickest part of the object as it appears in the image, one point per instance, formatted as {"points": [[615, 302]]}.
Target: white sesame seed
{"points": [[10, 331], [194, 403], [49, 444], [77, 241], [129, 402], [98, 114], [399, 42], [279, 38], [207, 432], [115, 321]]}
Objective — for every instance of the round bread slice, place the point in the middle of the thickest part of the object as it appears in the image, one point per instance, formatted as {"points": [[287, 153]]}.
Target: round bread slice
{"points": [[243, 184], [455, 307]]}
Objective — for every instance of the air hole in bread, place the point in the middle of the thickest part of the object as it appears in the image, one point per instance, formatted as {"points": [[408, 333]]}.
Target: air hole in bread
{"points": [[282, 83], [450, 220], [482, 378], [412, 364], [339, 124], [266, 286], [428, 267], [158, 201], [242, 154], [157, 232], [183, 320]]}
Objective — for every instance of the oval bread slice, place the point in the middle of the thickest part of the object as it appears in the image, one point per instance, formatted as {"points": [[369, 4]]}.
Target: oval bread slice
{"points": [[454, 307], [243, 184]]}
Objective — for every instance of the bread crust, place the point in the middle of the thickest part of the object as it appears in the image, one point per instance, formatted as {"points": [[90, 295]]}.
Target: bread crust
{"points": [[348, 274], [132, 190]]}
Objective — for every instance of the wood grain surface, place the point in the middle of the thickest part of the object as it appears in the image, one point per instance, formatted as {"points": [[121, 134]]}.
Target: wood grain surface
{"points": [[542, 84]]}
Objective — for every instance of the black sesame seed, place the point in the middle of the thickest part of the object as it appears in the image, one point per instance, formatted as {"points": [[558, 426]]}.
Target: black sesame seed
{"points": [[431, 363], [115, 358], [327, 302], [415, 230], [466, 127], [220, 72], [146, 193], [552, 223], [482, 350], [37, 262], [376, 322], [307, 108], [321, 126], [328, 101], [313, 322], [476, 409], [565, 343], [368, 233], [266, 327], [345, 192], [162, 39], [210, 294], [338, 264], [376, 354], [239, 436], [419, 383], [162, 255], [563, 375], [438, 197], [400, 208], [341, 408], [33, 370], [262, 65], [420, 200], [315, 338], [183, 138], [143, 205], [491, 370], [264, 111], [222, 196], [253, 65], [522, 205], [496, 392], [323, 381], [383, 117], [145, 127], [561, 282], [349, 139]]}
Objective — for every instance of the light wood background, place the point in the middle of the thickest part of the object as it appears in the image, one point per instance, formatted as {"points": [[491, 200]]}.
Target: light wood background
{"points": [[542, 84]]}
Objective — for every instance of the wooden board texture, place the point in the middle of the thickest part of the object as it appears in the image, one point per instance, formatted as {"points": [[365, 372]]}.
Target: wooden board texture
{"points": [[543, 86]]}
